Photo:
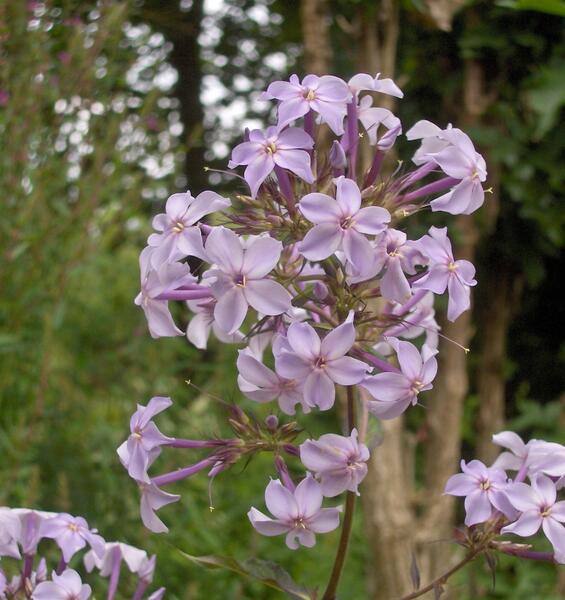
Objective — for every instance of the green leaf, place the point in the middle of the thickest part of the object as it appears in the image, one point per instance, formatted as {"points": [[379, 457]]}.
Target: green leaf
{"points": [[267, 572], [553, 7]]}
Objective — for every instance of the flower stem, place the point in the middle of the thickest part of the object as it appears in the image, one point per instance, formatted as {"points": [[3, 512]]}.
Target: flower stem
{"points": [[331, 589], [438, 581]]}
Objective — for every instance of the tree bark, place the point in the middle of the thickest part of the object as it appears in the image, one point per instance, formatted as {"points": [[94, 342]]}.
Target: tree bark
{"points": [[314, 16]]}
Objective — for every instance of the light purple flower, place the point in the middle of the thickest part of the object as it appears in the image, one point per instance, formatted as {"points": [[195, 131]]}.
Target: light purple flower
{"points": [[398, 256], [372, 117], [178, 237], [268, 149], [338, 461], [539, 508], [299, 514], [446, 273], [152, 499], [72, 534], [326, 95], [157, 594], [135, 559], [241, 277], [10, 533], [395, 391], [67, 586], [145, 440], [319, 365], [483, 489], [432, 143], [153, 283], [341, 223], [365, 82], [261, 384], [31, 527], [203, 323]]}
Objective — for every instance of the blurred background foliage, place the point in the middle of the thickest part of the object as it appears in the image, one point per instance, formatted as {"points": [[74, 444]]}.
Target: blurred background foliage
{"points": [[108, 107]]}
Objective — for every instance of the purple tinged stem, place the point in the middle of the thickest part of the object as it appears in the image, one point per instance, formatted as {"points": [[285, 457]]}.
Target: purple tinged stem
{"points": [[282, 470], [309, 123], [180, 474], [352, 138], [383, 365], [286, 189], [61, 566], [521, 475], [178, 443], [416, 175], [140, 590], [375, 168], [186, 294], [413, 301], [115, 574], [426, 190], [524, 553], [28, 567]]}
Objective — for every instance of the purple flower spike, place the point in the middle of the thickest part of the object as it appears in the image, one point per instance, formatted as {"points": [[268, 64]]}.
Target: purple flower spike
{"points": [[72, 534], [319, 365], [299, 514], [153, 283], [67, 586], [539, 508], [339, 462], [261, 384], [178, 237], [341, 224], [326, 95], [483, 489], [241, 277], [145, 440], [394, 392], [264, 150], [457, 276]]}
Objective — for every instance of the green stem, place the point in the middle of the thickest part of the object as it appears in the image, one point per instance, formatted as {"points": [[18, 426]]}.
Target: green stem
{"points": [[341, 554]]}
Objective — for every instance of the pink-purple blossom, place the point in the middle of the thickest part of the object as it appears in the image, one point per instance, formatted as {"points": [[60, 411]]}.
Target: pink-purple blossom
{"points": [[326, 96], [483, 489], [320, 364], [539, 508], [446, 273], [240, 272], [285, 149], [71, 534], [341, 223], [152, 499], [339, 462], [395, 391], [178, 236], [298, 514], [67, 586]]}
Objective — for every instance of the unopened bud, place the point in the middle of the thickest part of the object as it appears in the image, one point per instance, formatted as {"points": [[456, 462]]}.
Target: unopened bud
{"points": [[272, 422], [338, 159]]}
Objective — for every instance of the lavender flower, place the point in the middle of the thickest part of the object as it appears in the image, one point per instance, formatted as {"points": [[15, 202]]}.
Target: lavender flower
{"points": [[539, 508], [299, 514], [135, 559], [240, 277], [366, 82], [319, 365], [338, 461], [395, 391], [71, 534], [67, 586], [326, 95], [265, 150], [261, 384], [444, 272], [145, 440], [203, 323], [483, 489], [177, 235], [10, 533], [153, 283], [341, 223], [152, 499]]}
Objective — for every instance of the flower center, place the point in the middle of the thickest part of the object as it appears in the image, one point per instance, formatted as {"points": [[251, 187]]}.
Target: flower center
{"points": [[136, 435], [485, 485], [452, 266], [300, 523], [416, 386], [310, 95], [73, 527], [270, 148], [239, 280], [346, 223], [320, 363], [545, 511]]}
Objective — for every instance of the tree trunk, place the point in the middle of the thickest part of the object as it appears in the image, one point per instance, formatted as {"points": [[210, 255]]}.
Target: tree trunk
{"points": [[314, 16]]}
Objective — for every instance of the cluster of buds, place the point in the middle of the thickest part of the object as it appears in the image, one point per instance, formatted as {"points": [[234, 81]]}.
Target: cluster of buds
{"points": [[496, 504], [21, 532], [312, 272]]}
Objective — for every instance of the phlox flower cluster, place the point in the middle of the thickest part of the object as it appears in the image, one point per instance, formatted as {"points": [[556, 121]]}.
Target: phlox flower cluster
{"points": [[311, 273], [518, 494], [25, 572]]}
